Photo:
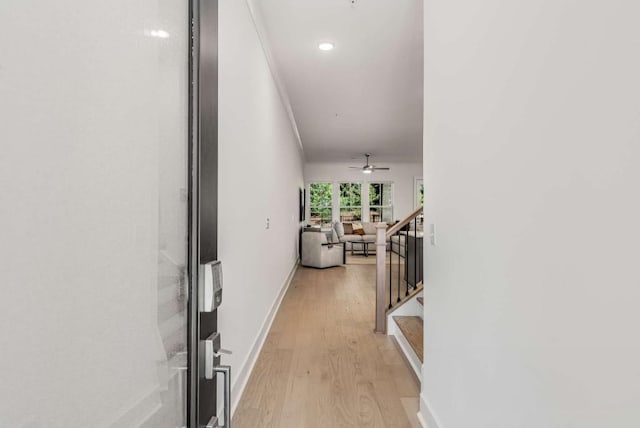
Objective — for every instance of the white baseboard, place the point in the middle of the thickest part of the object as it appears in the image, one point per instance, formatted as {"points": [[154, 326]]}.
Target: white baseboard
{"points": [[427, 418], [242, 374], [421, 421], [144, 408]]}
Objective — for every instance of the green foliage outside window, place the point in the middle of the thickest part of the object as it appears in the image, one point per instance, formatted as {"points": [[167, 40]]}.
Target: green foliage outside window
{"points": [[320, 203], [350, 195], [350, 202]]}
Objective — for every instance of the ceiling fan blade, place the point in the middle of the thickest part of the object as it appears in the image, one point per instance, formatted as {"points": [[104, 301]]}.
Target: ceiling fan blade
{"points": [[355, 167], [381, 168]]}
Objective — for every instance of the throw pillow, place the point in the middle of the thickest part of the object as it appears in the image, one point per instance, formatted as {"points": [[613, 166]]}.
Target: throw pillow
{"points": [[357, 229], [339, 229], [348, 228]]}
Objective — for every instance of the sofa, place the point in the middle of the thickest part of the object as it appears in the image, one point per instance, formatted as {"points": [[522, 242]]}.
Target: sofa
{"points": [[399, 242], [343, 232]]}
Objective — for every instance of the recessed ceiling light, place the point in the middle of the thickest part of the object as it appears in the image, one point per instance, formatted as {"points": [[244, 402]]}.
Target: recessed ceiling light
{"points": [[159, 33], [326, 46]]}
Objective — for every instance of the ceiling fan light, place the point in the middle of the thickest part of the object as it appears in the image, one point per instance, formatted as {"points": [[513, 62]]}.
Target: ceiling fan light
{"points": [[367, 171]]}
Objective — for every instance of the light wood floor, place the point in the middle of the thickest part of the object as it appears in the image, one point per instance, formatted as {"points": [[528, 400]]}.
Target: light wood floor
{"points": [[322, 365]]}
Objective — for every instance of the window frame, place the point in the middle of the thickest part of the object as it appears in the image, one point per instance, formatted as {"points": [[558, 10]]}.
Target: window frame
{"points": [[381, 207], [359, 208], [329, 207]]}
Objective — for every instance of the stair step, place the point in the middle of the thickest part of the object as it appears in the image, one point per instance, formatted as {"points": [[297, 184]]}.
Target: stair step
{"points": [[421, 301], [412, 329]]}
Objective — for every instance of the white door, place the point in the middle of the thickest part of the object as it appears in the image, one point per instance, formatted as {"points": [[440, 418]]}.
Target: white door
{"points": [[93, 168]]}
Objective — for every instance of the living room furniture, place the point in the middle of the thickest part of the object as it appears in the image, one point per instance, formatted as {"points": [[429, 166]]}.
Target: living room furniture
{"points": [[364, 247], [318, 252], [414, 259], [409, 245], [326, 230], [344, 233]]}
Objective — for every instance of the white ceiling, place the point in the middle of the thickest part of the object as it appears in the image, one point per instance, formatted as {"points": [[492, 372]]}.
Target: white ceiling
{"points": [[366, 94]]}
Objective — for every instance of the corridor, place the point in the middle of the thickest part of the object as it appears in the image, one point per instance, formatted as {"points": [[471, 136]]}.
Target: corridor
{"points": [[322, 365]]}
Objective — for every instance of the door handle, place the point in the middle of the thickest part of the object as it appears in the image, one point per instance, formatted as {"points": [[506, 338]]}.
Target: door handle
{"points": [[222, 351], [213, 423], [212, 354], [225, 371]]}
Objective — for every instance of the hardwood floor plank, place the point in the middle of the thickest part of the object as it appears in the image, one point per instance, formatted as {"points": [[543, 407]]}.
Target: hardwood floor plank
{"points": [[322, 365], [412, 407]]}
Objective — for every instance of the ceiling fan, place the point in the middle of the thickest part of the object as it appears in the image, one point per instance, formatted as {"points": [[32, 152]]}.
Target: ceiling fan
{"points": [[368, 169]]}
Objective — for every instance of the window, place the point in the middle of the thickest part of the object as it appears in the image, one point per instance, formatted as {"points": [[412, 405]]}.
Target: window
{"points": [[419, 192], [320, 203], [350, 202], [381, 202]]}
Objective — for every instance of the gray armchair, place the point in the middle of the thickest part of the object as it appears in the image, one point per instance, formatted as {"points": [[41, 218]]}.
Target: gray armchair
{"points": [[317, 252]]}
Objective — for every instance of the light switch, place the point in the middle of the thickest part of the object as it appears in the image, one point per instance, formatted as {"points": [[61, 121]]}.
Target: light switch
{"points": [[432, 234]]}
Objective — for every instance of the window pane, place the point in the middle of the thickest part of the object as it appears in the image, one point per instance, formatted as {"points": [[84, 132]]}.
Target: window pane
{"points": [[387, 214], [387, 195], [320, 194], [377, 214], [350, 195], [320, 204], [380, 194], [374, 193], [348, 215], [380, 202], [320, 216]]}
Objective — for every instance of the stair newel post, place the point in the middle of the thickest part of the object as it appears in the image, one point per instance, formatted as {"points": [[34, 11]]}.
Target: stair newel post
{"points": [[415, 253], [390, 274], [381, 255], [405, 262]]}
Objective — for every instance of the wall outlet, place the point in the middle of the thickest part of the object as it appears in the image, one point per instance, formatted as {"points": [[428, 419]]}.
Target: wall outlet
{"points": [[267, 223]]}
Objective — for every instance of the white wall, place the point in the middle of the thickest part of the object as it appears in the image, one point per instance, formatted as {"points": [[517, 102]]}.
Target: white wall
{"points": [[260, 176], [402, 175], [532, 143]]}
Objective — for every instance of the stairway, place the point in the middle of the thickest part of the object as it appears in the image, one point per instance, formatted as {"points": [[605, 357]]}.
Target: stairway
{"points": [[399, 285], [405, 324], [412, 330]]}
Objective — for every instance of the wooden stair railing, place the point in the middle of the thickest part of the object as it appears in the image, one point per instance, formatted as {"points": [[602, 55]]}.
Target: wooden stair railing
{"points": [[401, 278]]}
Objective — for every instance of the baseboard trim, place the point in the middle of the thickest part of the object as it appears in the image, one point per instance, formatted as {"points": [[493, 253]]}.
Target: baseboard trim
{"points": [[427, 418], [421, 421], [145, 406], [242, 376]]}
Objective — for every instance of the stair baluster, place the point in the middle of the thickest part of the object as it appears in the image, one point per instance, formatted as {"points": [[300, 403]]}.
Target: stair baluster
{"points": [[406, 242]]}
